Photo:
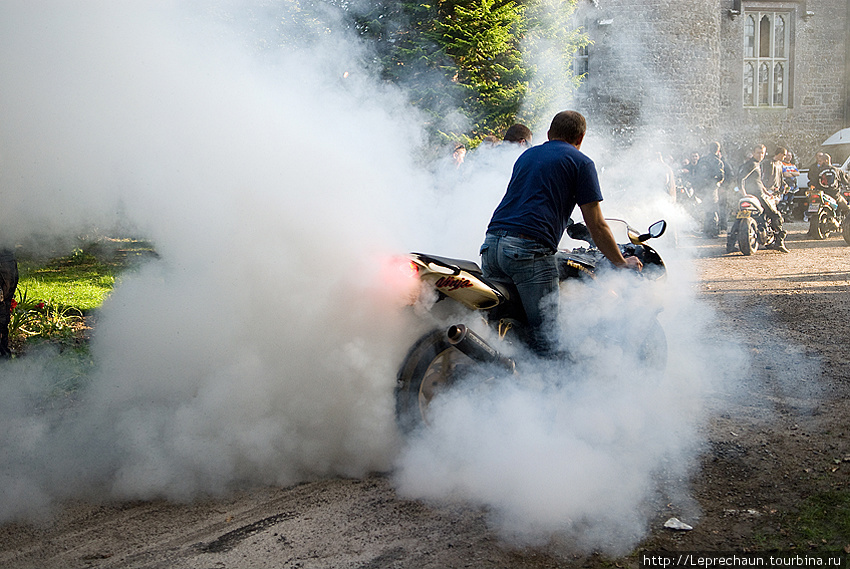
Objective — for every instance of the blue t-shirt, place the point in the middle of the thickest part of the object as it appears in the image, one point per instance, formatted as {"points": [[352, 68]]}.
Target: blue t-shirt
{"points": [[548, 181]]}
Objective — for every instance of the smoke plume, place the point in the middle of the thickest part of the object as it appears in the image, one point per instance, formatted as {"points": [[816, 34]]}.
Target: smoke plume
{"points": [[275, 174]]}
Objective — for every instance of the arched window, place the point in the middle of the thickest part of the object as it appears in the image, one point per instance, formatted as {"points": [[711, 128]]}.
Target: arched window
{"points": [[749, 84], [778, 84], [779, 36], [750, 37], [764, 84], [767, 47], [764, 36]]}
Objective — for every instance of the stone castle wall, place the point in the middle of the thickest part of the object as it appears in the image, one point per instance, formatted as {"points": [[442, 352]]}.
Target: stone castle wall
{"points": [[672, 72]]}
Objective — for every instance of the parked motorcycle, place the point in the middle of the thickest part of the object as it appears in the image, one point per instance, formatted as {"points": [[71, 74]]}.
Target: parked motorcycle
{"points": [[751, 228], [825, 217], [794, 204], [445, 356], [688, 200]]}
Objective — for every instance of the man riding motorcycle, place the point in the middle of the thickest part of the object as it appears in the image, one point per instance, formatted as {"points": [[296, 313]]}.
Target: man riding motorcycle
{"points": [[547, 182], [826, 177], [752, 184]]}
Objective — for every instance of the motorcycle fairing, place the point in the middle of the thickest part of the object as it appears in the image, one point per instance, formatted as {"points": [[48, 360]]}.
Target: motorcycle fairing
{"points": [[461, 280], [749, 206]]}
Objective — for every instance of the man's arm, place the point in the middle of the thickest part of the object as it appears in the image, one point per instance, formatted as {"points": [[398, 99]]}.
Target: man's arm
{"points": [[604, 239]]}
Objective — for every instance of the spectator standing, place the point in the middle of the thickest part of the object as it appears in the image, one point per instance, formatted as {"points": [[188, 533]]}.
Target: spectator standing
{"points": [[458, 154], [518, 134], [709, 175], [725, 192]]}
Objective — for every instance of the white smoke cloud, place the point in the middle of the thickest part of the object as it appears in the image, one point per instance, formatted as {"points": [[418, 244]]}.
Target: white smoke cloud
{"points": [[581, 456], [262, 347]]}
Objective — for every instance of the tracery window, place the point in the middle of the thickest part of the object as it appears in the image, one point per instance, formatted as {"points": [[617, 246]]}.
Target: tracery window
{"points": [[581, 62], [767, 43]]}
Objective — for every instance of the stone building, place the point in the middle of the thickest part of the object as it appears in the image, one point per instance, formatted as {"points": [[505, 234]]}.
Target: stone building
{"points": [[738, 71]]}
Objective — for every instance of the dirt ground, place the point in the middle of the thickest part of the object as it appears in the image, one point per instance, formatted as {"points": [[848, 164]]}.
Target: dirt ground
{"points": [[784, 441]]}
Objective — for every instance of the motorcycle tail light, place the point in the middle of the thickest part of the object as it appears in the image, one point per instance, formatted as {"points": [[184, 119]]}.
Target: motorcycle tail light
{"points": [[401, 276], [747, 205]]}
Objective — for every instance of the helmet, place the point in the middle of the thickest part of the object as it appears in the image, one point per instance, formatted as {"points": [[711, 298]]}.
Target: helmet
{"points": [[828, 178]]}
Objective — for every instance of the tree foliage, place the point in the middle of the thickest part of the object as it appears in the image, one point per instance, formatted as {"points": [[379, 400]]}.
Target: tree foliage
{"points": [[474, 67]]}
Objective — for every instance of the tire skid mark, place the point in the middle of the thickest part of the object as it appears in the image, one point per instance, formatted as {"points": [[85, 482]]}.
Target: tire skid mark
{"points": [[231, 539]]}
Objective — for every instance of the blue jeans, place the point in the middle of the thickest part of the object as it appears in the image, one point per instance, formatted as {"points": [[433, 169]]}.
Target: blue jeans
{"points": [[532, 267]]}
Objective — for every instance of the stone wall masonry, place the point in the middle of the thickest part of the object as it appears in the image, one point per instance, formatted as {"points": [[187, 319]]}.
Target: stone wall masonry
{"points": [[676, 69]]}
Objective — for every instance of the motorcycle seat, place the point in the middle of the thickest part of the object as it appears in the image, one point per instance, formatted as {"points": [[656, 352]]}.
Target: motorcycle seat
{"points": [[462, 264], [506, 289]]}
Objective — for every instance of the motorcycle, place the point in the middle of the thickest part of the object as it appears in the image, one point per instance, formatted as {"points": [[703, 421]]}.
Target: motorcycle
{"points": [[751, 228], [444, 356], [794, 204], [825, 217], [687, 198]]}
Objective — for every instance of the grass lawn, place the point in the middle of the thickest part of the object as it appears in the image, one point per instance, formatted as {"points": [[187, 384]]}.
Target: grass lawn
{"points": [[82, 279], [57, 294]]}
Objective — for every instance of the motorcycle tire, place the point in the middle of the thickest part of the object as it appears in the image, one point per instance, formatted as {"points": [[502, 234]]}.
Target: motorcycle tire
{"points": [[748, 237], [819, 225], [732, 237], [711, 226], [845, 230], [432, 365]]}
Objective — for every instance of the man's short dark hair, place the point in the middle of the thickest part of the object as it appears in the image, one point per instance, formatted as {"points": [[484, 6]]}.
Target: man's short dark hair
{"points": [[780, 150], [517, 133], [569, 126]]}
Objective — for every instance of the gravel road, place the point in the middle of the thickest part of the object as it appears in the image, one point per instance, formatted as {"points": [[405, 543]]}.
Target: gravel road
{"points": [[766, 452]]}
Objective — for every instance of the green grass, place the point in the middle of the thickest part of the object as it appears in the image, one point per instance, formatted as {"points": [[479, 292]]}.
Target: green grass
{"points": [[821, 523], [824, 519], [55, 293], [82, 279], [79, 280]]}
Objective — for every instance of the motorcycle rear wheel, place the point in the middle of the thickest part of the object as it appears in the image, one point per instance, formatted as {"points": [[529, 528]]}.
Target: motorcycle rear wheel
{"points": [[748, 237], [432, 365], [845, 230], [819, 225]]}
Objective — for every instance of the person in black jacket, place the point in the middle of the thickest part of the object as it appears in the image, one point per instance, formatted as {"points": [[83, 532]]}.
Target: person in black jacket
{"points": [[752, 183], [826, 177], [709, 175]]}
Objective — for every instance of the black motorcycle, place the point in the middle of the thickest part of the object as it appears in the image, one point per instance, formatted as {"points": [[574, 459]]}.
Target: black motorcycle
{"points": [[444, 356], [825, 217], [751, 228]]}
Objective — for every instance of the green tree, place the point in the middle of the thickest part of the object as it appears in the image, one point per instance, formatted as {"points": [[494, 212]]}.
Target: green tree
{"points": [[482, 38], [473, 66]]}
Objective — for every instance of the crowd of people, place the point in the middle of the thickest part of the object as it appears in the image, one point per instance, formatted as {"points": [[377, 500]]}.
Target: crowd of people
{"points": [[710, 180]]}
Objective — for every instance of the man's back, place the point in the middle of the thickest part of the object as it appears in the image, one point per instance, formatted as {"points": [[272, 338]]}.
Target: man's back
{"points": [[750, 175], [548, 181]]}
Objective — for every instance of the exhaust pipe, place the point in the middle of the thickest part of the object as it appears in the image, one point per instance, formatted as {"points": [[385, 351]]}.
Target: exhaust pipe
{"points": [[477, 348]]}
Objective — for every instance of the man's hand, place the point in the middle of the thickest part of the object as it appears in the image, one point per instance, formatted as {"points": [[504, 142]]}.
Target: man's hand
{"points": [[604, 239], [633, 263]]}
